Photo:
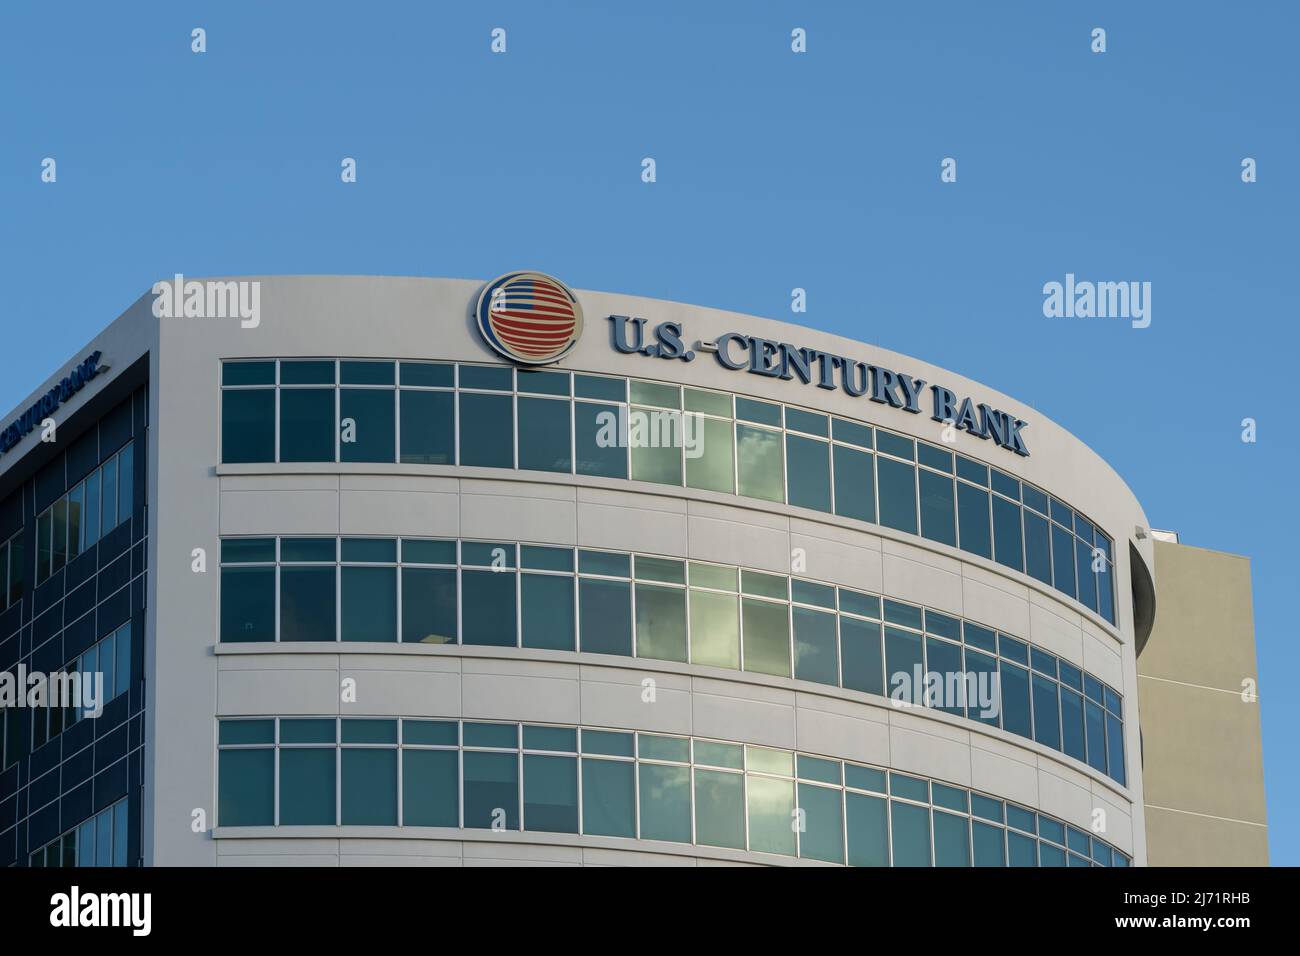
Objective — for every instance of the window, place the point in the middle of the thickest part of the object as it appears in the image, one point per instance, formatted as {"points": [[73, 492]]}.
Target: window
{"points": [[545, 420], [506, 594], [740, 797], [103, 840], [76, 521], [486, 430], [808, 472], [544, 435]]}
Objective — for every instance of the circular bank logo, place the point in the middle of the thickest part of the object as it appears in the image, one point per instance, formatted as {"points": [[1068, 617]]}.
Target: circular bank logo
{"points": [[529, 317]]}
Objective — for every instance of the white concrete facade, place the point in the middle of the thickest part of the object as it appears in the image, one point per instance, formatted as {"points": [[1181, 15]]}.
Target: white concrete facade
{"points": [[194, 500]]}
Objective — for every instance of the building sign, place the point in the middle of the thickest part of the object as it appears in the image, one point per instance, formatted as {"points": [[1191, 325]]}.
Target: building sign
{"points": [[529, 317], [45, 406], [738, 352]]}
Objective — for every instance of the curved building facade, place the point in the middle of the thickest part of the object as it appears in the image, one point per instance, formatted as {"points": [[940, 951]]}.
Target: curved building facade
{"points": [[432, 571]]}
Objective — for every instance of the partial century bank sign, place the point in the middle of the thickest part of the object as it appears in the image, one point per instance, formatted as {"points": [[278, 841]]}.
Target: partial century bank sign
{"points": [[535, 319]]}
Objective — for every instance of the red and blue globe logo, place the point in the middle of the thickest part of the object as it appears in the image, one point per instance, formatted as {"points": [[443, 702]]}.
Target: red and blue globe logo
{"points": [[529, 317]]}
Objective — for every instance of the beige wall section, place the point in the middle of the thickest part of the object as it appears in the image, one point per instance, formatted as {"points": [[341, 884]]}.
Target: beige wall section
{"points": [[1203, 762]]}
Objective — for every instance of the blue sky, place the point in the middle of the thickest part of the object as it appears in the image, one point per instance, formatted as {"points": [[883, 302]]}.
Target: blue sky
{"points": [[775, 170]]}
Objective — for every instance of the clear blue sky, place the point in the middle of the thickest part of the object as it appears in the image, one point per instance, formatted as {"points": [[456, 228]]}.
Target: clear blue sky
{"points": [[775, 170]]}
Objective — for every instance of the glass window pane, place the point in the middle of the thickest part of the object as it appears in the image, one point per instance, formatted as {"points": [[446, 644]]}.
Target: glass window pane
{"points": [[654, 393], [910, 826], [897, 483], [247, 550], [247, 604], [246, 796], [76, 534], [758, 462], [861, 651], [247, 426], [248, 373], [812, 423], [1047, 718], [1063, 560], [308, 549], [369, 786], [989, 848], [808, 472], [108, 497], [868, 830], [561, 739], [655, 436], [1095, 721], [1115, 747], [428, 605], [855, 484], [366, 420], [430, 790], [369, 604], [1038, 555], [896, 445], [605, 616], [1022, 850], [938, 508], [719, 809], [537, 382], [814, 647], [595, 386], [314, 372], [608, 792], [428, 427], [665, 803], [610, 743], [548, 619], [951, 840], [366, 373], [494, 377], [660, 622], [544, 435], [306, 604], [1072, 732], [90, 521], [487, 436], [973, 520], [950, 692], [1015, 699], [59, 550], [1105, 596], [599, 448], [771, 815], [122, 668], [715, 628], [435, 374], [1007, 548], [712, 403], [550, 793], [710, 458], [491, 790], [823, 835], [851, 432], [765, 413], [766, 630], [307, 786], [488, 611], [667, 570], [1087, 577], [903, 665], [307, 424]]}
